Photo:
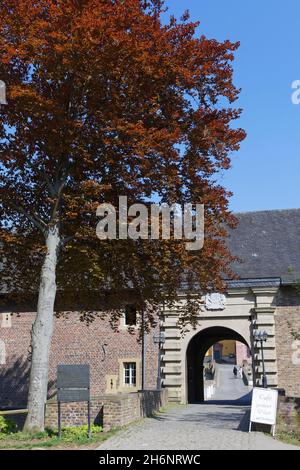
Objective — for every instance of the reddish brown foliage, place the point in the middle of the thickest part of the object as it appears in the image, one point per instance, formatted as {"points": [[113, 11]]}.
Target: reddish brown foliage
{"points": [[104, 100]]}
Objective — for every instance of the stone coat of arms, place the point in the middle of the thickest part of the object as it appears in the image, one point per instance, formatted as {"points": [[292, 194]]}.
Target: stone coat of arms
{"points": [[215, 301]]}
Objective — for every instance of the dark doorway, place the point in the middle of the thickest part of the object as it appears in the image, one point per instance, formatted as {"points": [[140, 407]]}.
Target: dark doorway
{"points": [[196, 350]]}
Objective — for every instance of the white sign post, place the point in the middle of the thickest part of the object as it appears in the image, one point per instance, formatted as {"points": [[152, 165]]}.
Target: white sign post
{"points": [[264, 407]]}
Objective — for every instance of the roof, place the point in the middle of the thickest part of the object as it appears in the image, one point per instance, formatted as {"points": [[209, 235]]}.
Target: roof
{"points": [[268, 243]]}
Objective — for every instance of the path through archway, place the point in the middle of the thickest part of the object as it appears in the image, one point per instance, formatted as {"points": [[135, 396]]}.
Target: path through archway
{"points": [[197, 348]]}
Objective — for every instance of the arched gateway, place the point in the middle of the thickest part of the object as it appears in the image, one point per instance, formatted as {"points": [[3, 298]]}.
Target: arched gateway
{"points": [[195, 355], [248, 305]]}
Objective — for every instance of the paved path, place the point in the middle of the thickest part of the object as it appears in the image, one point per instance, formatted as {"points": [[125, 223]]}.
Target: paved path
{"points": [[231, 388], [213, 425]]}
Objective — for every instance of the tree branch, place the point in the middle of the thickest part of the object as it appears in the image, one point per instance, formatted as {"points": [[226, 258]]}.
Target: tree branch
{"points": [[37, 222], [65, 240], [50, 186], [58, 198]]}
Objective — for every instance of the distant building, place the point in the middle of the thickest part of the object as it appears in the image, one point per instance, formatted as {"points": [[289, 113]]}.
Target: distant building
{"points": [[229, 351]]}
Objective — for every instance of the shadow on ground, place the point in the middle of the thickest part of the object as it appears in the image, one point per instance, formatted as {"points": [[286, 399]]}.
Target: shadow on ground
{"points": [[214, 414], [245, 400]]}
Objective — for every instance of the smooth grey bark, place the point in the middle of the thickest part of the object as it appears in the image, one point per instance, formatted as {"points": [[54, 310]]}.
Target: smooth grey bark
{"points": [[42, 334]]}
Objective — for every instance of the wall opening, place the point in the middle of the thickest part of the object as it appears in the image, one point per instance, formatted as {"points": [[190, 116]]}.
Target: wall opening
{"points": [[198, 347]]}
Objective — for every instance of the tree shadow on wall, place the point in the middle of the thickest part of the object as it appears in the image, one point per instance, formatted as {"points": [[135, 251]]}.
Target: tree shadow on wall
{"points": [[14, 384]]}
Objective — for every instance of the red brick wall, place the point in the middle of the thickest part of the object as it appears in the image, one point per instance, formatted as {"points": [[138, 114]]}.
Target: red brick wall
{"points": [[15, 373], [287, 320], [108, 411], [74, 342], [288, 418], [74, 414]]}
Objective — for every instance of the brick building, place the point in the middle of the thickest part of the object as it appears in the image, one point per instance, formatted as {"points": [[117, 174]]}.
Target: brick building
{"points": [[265, 297], [115, 357]]}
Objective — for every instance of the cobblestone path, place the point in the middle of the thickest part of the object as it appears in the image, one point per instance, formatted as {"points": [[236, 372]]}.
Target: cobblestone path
{"points": [[216, 424], [194, 427]]}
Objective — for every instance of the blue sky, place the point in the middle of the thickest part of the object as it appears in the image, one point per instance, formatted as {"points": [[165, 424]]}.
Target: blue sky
{"points": [[266, 171]]}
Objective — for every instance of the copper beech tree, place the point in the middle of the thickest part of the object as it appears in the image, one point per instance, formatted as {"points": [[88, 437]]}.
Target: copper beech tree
{"points": [[104, 99]]}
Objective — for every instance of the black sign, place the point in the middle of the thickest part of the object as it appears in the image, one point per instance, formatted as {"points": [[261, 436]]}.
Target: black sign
{"points": [[73, 385], [67, 395]]}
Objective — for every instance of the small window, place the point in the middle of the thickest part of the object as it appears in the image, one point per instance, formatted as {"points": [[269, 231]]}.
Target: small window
{"points": [[6, 320], [130, 315], [130, 374]]}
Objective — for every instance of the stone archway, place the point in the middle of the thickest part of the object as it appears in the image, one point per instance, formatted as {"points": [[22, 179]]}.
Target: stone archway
{"points": [[249, 305], [195, 353]]}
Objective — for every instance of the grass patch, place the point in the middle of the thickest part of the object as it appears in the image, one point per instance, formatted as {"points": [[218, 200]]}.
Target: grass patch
{"points": [[289, 437], [72, 437], [166, 408]]}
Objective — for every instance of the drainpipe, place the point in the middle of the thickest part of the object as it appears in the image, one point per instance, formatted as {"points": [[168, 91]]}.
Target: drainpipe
{"points": [[143, 352]]}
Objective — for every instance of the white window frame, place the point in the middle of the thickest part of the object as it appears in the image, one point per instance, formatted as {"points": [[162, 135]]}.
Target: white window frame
{"points": [[132, 370]]}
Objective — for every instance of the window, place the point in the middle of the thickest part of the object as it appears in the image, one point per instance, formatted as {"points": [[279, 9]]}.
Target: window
{"points": [[130, 315], [130, 374], [6, 320]]}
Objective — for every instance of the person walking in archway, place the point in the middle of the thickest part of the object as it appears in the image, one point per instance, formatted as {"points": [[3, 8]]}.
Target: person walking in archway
{"points": [[235, 371]]}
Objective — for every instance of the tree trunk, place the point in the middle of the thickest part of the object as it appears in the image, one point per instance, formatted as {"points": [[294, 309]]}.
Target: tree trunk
{"points": [[41, 336]]}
